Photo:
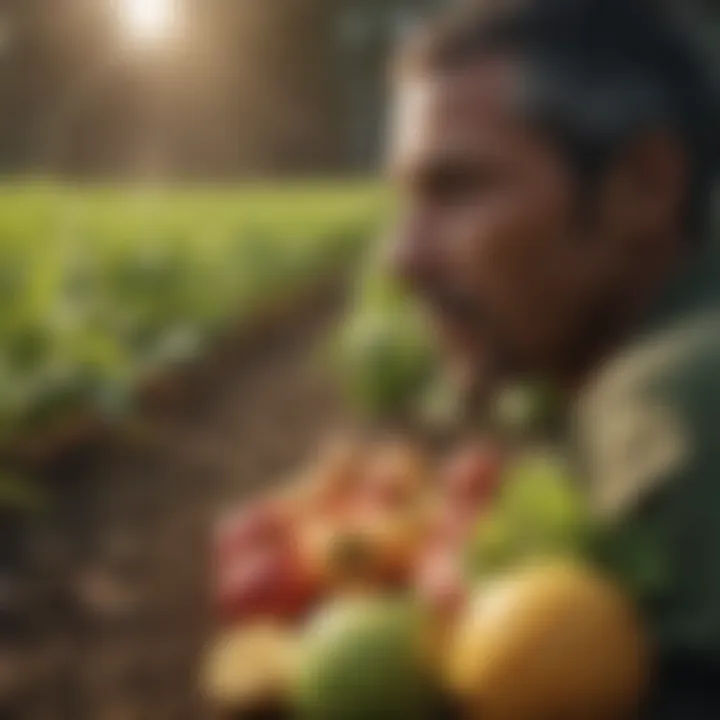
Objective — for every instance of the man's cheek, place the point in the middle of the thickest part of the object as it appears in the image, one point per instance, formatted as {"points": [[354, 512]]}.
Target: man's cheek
{"points": [[490, 255]]}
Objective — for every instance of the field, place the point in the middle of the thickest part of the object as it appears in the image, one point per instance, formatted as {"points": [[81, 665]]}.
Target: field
{"points": [[103, 289]]}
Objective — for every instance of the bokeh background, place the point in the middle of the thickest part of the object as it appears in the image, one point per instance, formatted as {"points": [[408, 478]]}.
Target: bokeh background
{"points": [[187, 89], [188, 190]]}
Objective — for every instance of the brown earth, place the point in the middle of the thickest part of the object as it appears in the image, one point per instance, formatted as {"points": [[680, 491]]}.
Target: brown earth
{"points": [[113, 623]]}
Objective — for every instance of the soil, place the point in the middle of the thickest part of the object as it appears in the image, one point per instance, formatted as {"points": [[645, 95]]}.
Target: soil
{"points": [[111, 621]]}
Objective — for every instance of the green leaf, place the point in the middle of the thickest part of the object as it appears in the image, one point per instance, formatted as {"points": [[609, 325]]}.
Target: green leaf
{"points": [[540, 512]]}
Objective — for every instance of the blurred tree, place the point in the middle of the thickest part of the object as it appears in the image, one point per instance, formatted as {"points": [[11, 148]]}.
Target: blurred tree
{"points": [[287, 88]]}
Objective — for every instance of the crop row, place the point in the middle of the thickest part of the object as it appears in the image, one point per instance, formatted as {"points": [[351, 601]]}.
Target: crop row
{"points": [[102, 288]]}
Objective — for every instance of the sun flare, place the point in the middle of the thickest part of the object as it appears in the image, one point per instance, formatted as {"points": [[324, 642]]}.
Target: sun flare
{"points": [[148, 20]]}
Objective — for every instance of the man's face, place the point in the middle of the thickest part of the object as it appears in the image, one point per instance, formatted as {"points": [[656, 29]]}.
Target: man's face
{"points": [[491, 234]]}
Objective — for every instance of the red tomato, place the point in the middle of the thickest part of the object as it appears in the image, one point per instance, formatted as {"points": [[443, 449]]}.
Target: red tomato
{"points": [[263, 583]]}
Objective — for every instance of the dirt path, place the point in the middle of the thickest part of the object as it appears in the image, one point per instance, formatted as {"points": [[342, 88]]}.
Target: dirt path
{"points": [[123, 604]]}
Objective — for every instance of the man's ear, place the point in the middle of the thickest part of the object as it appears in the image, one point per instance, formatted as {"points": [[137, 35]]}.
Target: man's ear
{"points": [[651, 183]]}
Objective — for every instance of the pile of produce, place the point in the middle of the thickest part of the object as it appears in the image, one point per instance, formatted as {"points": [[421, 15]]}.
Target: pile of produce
{"points": [[383, 583]]}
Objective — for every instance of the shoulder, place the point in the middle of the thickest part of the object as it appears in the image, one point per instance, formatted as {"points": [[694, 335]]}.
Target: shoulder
{"points": [[642, 420]]}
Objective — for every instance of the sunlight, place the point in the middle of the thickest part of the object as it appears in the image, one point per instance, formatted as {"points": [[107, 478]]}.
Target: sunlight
{"points": [[148, 20]]}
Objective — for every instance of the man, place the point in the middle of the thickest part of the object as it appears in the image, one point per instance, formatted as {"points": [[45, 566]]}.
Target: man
{"points": [[555, 161]]}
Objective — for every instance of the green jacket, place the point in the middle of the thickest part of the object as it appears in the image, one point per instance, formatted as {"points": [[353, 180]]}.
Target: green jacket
{"points": [[648, 435]]}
